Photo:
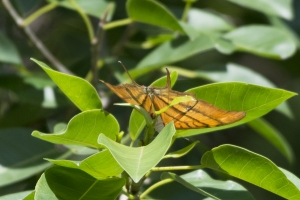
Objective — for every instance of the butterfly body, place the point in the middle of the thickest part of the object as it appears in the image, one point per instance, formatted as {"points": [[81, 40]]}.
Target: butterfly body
{"points": [[195, 113]]}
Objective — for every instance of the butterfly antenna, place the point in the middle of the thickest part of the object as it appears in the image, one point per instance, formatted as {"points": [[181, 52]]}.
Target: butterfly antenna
{"points": [[168, 79], [127, 73]]}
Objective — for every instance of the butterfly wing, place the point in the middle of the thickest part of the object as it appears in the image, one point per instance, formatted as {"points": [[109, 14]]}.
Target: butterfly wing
{"points": [[133, 94], [192, 114]]}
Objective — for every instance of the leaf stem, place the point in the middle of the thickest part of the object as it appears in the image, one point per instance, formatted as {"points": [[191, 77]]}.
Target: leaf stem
{"points": [[39, 12], [121, 22], [188, 4], [86, 20], [154, 186], [157, 169]]}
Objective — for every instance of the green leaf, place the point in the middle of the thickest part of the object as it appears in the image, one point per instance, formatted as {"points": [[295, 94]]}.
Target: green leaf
{"points": [[270, 133], [152, 12], [205, 21], [8, 51], [17, 195], [253, 99], [138, 161], [78, 90], [137, 121], [294, 179], [95, 8], [234, 72], [100, 165], [250, 167], [42, 189], [186, 184], [29, 196], [172, 51], [21, 156], [282, 8], [270, 42], [79, 185], [222, 189], [181, 152], [84, 129]]}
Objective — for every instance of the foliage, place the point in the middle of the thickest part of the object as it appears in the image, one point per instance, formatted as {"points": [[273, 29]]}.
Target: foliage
{"points": [[83, 147]]}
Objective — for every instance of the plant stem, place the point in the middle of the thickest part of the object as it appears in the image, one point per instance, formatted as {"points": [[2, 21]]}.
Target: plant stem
{"points": [[121, 22], [154, 186], [156, 169], [85, 18], [188, 4], [39, 12], [56, 64]]}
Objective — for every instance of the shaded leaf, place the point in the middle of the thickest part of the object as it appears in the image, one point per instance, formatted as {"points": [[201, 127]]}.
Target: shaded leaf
{"points": [[21, 156], [251, 167], [100, 165], [79, 185], [266, 130], [172, 51], [138, 161], [78, 90], [8, 51], [84, 129], [282, 8], [152, 12], [270, 42], [254, 100]]}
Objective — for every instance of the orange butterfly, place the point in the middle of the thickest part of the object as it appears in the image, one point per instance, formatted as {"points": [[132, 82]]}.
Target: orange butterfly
{"points": [[186, 115]]}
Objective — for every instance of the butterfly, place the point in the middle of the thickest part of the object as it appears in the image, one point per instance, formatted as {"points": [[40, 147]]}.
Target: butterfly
{"points": [[191, 114]]}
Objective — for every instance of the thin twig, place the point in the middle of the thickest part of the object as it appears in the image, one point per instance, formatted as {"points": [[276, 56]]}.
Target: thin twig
{"points": [[20, 22]]}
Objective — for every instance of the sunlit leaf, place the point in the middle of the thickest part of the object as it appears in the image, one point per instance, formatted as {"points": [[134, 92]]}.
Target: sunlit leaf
{"points": [[84, 129], [100, 165], [138, 161], [14, 196], [152, 12], [251, 167], [42, 190], [253, 99], [78, 90]]}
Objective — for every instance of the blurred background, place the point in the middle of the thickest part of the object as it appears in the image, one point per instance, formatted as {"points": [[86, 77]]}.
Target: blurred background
{"points": [[59, 35]]}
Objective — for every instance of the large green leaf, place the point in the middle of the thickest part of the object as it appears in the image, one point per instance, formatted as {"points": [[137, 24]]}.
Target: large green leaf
{"points": [[21, 155], [199, 181], [269, 132], [152, 12], [8, 51], [254, 100], [233, 72], [79, 185], [282, 8], [138, 161], [263, 40], [78, 90], [95, 8], [205, 21], [172, 51], [137, 121], [250, 167], [42, 190], [30, 196], [100, 165], [84, 129]]}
